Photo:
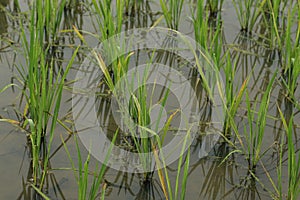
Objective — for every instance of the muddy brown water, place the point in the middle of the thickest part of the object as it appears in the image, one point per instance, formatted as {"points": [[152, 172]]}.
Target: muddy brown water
{"points": [[208, 178]]}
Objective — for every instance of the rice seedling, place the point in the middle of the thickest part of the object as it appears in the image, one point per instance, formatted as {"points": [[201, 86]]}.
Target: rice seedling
{"points": [[164, 177], [53, 17], [82, 177], [250, 146], [138, 111], [254, 136], [200, 24], [293, 161], [248, 12], [251, 143], [291, 53], [233, 99], [109, 23], [43, 91], [208, 34], [214, 6], [172, 10], [272, 17], [293, 166]]}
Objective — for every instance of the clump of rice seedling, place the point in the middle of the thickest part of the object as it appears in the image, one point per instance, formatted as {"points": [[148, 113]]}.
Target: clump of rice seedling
{"points": [[214, 6], [169, 191], [252, 144], [43, 91], [293, 161], [145, 140], [200, 22], [210, 38], [272, 17], [208, 33], [233, 101], [254, 136], [248, 12], [291, 53], [82, 177], [109, 23], [172, 10], [136, 112], [53, 17]]}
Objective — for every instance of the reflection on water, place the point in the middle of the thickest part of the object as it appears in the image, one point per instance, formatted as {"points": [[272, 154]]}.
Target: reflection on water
{"points": [[3, 18]]}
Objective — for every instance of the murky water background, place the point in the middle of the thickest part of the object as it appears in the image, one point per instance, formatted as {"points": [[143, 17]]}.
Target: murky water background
{"points": [[208, 178]]}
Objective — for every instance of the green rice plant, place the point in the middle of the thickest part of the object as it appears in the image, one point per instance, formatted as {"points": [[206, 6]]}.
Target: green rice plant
{"points": [[291, 52], [250, 144], [216, 44], [139, 111], [82, 177], [200, 23], [172, 10], [233, 98], [214, 7], [53, 17], [43, 91], [44, 196], [277, 16], [109, 23], [272, 18], [145, 140], [293, 161], [207, 34], [278, 189], [172, 192], [248, 12], [293, 166], [254, 136]]}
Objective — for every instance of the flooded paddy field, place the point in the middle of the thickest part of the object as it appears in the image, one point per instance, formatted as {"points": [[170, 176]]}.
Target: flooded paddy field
{"points": [[176, 99]]}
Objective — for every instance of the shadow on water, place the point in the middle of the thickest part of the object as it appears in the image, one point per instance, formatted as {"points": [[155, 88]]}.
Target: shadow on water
{"points": [[4, 25], [51, 182], [3, 17]]}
